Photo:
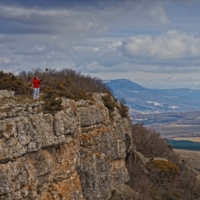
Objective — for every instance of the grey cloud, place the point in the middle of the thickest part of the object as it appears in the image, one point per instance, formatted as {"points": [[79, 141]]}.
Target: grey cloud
{"points": [[72, 4], [23, 20], [83, 17]]}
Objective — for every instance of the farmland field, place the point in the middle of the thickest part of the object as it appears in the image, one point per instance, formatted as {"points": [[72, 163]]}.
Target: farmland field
{"points": [[192, 139], [174, 131]]}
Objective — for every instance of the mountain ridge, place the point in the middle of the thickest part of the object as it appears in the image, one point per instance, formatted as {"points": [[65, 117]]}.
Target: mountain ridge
{"points": [[146, 100]]}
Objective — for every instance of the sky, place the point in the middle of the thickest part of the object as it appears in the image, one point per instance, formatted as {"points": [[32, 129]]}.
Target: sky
{"points": [[155, 43]]}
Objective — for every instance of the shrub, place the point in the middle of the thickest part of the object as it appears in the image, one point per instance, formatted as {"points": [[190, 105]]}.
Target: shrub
{"points": [[162, 171], [139, 181], [110, 102], [164, 195], [51, 99], [149, 142], [123, 109], [163, 165], [66, 83], [73, 85], [9, 81], [51, 77]]}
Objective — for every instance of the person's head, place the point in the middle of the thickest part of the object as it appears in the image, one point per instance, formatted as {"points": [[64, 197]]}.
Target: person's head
{"points": [[35, 77]]}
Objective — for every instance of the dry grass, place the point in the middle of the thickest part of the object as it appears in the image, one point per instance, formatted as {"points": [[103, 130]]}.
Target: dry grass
{"points": [[191, 158]]}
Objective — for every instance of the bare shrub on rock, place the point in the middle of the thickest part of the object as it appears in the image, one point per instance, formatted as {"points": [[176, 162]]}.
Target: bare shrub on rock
{"points": [[149, 142]]}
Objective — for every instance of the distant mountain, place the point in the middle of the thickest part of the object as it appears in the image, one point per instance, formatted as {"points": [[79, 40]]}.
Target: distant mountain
{"points": [[144, 100]]}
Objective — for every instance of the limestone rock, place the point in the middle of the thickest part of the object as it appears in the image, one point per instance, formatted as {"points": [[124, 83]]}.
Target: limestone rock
{"points": [[77, 153], [6, 93]]}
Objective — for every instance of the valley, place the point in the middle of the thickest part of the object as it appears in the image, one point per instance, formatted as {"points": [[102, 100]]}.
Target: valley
{"points": [[174, 113], [171, 125]]}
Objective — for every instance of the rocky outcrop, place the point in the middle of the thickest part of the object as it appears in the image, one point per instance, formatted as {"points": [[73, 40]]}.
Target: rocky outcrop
{"points": [[77, 153]]}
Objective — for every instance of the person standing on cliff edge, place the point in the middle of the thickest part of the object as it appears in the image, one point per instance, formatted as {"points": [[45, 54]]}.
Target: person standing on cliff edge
{"points": [[36, 87]]}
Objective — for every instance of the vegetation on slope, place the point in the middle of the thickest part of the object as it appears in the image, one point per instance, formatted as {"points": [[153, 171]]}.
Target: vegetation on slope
{"points": [[65, 83], [110, 102], [164, 176]]}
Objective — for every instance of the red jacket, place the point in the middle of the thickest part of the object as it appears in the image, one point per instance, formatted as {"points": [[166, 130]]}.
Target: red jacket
{"points": [[36, 83]]}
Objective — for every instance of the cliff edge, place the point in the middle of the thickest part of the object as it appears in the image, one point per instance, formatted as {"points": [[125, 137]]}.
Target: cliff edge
{"points": [[76, 153]]}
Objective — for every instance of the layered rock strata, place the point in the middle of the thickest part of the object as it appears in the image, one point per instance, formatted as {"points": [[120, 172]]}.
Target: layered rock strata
{"points": [[77, 153]]}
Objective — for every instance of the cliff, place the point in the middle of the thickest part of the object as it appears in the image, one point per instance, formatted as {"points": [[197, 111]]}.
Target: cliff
{"points": [[77, 153]]}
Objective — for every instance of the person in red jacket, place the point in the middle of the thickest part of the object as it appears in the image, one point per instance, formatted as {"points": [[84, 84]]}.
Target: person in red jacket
{"points": [[36, 87]]}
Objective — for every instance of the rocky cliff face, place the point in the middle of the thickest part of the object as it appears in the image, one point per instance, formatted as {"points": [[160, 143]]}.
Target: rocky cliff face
{"points": [[77, 153]]}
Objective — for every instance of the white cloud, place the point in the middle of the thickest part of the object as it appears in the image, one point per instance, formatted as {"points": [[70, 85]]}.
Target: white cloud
{"points": [[170, 45], [158, 13]]}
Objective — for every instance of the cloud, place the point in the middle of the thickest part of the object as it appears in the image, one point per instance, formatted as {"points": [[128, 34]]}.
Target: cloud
{"points": [[158, 13], [47, 21], [93, 67], [94, 36], [170, 45], [39, 48], [5, 60], [78, 18]]}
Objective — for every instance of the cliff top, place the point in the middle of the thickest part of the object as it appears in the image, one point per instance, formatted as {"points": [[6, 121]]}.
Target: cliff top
{"points": [[55, 85]]}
